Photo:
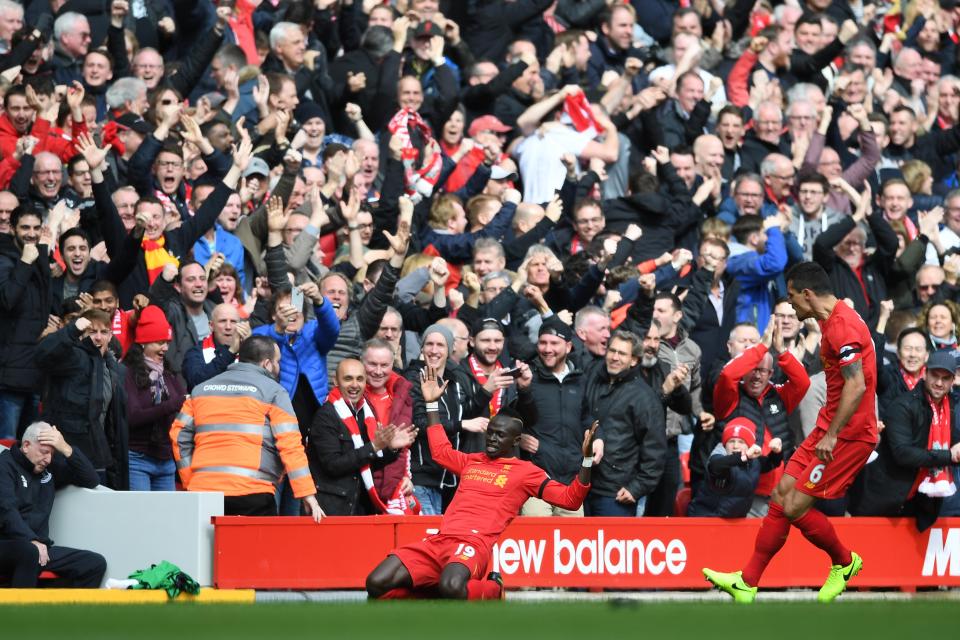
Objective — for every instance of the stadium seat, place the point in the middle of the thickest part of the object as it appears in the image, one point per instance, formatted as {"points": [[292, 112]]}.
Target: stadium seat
{"points": [[681, 503]]}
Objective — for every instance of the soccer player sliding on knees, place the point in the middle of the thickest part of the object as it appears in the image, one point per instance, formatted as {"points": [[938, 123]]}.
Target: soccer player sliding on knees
{"points": [[493, 487], [828, 461]]}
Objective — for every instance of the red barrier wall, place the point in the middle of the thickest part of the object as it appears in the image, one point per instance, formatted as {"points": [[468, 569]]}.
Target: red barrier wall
{"points": [[614, 553]]}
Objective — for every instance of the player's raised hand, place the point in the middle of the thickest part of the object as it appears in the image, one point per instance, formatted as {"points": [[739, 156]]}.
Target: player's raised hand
{"points": [[588, 437], [430, 385]]}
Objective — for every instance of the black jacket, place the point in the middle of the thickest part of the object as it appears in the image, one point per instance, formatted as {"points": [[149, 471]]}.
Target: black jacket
{"points": [[560, 423], [731, 484], [336, 463], [463, 399], [890, 387], [26, 498], [633, 430], [662, 218], [493, 24], [709, 332], [24, 310], [903, 451], [844, 280], [74, 399]]}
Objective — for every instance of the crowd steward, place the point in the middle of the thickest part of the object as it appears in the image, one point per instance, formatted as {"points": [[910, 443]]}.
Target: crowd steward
{"points": [[234, 235]]}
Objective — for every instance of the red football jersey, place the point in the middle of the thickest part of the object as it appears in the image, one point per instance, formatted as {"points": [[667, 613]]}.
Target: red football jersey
{"points": [[847, 340], [492, 490]]}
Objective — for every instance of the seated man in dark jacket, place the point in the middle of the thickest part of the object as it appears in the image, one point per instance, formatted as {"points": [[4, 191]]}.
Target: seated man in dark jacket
{"points": [[920, 444], [343, 453], [26, 499], [733, 472]]}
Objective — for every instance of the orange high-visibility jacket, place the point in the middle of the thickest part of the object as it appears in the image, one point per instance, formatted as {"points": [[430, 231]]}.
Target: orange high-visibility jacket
{"points": [[237, 433]]}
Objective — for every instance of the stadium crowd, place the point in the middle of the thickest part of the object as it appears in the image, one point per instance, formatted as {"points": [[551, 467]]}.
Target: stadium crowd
{"points": [[234, 235]]}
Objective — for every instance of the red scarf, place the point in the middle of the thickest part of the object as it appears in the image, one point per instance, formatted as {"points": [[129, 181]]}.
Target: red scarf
{"points": [[397, 505], [575, 245], [911, 379], [496, 402], [419, 182], [578, 108], [937, 482]]}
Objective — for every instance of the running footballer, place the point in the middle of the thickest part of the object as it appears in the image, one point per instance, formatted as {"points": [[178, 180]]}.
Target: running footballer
{"points": [[833, 454]]}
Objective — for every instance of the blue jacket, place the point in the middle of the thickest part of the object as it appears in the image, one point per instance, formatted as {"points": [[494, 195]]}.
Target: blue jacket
{"points": [[308, 353], [755, 272], [726, 495], [227, 244]]}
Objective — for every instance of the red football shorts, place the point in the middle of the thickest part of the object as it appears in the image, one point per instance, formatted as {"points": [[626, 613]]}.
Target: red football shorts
{"points": [[426, 559], [827, 480]]}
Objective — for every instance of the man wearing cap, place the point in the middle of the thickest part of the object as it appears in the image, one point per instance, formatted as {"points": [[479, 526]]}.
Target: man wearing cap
{"points": [[125, 135], [919, 452], [486, 366], [733, 472], [744, 389], [462, 409], [425, 64], [553, 442]]}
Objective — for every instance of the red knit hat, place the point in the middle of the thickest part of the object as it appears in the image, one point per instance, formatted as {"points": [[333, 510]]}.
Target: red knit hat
{"points": [[740, 428], [153, 326]]}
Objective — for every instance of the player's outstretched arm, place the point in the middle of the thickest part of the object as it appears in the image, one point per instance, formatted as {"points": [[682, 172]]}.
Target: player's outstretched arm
{"points": [[571, 496]]}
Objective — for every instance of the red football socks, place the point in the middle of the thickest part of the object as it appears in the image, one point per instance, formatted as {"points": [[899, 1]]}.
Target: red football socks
{"points": [[817, 529], [770, 539], [483, 590]]}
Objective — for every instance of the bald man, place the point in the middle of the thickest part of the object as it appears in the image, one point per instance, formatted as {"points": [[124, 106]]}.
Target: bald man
{"points": [[218, 350], [346, 445]]}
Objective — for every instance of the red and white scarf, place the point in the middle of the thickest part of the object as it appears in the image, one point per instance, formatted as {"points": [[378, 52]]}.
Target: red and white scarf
{"points": [[911, 379], [577, 107], [419, 182], [937, 482], [496, 402], [397, 504]]}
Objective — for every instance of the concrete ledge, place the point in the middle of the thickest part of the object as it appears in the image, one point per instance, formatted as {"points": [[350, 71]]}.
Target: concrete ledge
{"points": [[130, 596]]}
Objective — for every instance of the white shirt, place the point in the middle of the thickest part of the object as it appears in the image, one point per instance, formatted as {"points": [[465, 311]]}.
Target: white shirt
{"points": [[539, 160]]}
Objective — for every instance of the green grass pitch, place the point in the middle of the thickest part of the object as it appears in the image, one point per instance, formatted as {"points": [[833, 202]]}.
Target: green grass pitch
{"points": [[904, 620]]}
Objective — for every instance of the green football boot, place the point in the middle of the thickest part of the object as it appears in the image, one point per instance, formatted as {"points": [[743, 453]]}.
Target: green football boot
{"points": [[839, 577], [733, 584]]}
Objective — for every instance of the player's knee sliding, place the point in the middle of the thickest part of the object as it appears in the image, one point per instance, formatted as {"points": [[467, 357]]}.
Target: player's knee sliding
{"points": [[453, 588]]}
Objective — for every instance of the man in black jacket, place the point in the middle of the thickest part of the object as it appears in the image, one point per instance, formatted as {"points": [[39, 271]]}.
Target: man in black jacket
{"points": [[84, 393], [633, 429], [346, 443], [24, 312], [918, 452], [26, 499], [553, 442]]}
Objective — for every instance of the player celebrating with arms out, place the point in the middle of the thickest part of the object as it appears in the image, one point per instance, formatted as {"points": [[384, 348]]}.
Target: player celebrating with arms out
{"points": [[833, 454], [493, 487]]}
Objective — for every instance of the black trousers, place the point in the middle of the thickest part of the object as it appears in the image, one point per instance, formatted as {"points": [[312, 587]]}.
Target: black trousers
{"points": [[255, 504], [20, 560], [660, 502]]}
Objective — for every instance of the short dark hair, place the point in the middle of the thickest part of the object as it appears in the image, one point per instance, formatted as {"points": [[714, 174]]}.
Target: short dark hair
{"points": [[745, 225], [811, 177], [731, 110], [71, 233], [231, 54], [809, 18], [809, 275], [904, 108], [672, 297], [21, 212], [104, 285], [15, 90], [912, 330], [256, 349]]}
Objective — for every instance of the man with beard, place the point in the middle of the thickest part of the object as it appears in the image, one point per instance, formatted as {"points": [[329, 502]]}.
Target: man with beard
{"points": [[553, 441], [237, 434], [631, 427], [485, 365], [745, 389], [24, 313], [216, 352], [347, 443]]}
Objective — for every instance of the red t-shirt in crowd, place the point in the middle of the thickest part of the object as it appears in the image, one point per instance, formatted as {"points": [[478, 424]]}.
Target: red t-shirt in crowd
{"points": [[846, 340], [492, 490]]}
